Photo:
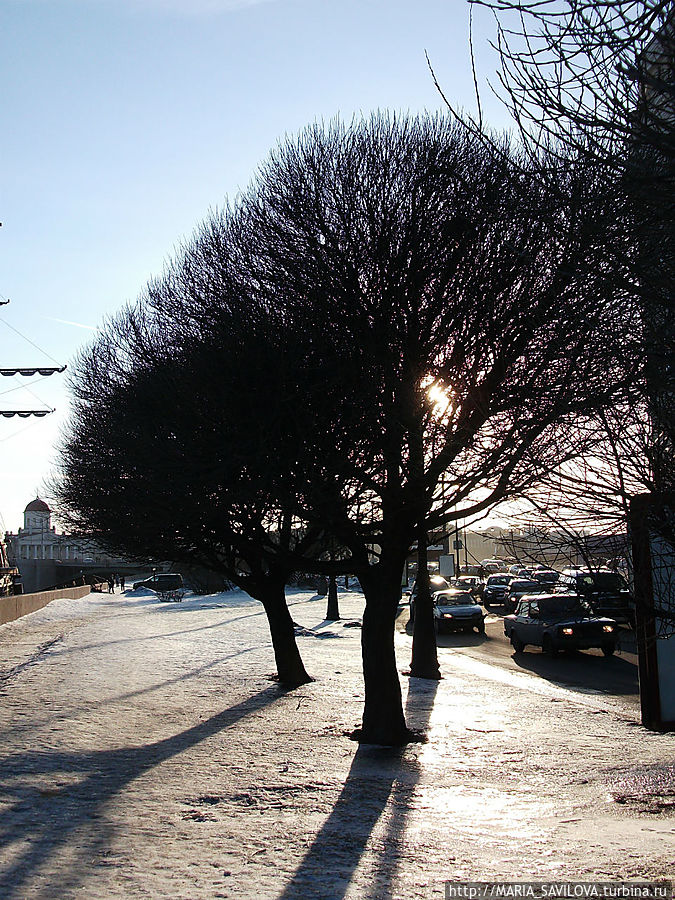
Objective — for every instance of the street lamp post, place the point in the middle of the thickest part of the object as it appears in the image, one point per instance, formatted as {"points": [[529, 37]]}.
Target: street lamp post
{"points": [[457, 545]]}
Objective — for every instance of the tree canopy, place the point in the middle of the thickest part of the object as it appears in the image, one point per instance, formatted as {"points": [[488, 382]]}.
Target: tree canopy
{"points": [[395, 326]]}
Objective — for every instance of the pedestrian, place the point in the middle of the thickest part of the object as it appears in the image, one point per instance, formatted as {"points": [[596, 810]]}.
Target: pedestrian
{"points": [[111, 584], [122, 583]]}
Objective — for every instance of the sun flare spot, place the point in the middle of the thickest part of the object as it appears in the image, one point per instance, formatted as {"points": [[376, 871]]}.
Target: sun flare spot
{"points": [[439, 397]]}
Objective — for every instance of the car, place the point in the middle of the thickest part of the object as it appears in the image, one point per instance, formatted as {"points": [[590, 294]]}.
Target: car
{"points": [[164, 583], [493, 566], [519, 569], [605, 591], [471, 583], [436, 583], [457, 610], [546, 576], [496, 588], [557, 622], [518, 588]]}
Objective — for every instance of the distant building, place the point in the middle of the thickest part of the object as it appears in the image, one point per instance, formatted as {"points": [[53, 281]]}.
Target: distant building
{"points": [[48, 559], [38, 538]]}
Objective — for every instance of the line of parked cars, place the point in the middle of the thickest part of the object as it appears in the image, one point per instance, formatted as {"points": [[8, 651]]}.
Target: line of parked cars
{"points": [[605, 592], [506, 588], [575, 609]]}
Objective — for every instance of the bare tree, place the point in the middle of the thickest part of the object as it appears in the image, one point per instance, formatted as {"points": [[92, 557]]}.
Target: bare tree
{"points": [[449, 310], [598, 77], [580, 512], [595, 76], [154, 463], [391, 328]]}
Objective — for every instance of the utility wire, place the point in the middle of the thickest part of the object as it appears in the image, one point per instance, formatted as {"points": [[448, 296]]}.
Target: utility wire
{"points": [[32, 343], [20, 431], [33, 394], [19, 387], [27, 372]]}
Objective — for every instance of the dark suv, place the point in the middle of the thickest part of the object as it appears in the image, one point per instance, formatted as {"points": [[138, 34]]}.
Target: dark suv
{"points": [[496, 589], [606, 592], [167, 581]]}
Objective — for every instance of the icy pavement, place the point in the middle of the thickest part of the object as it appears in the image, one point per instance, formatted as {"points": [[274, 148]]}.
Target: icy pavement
{"points": [[147, 753]]}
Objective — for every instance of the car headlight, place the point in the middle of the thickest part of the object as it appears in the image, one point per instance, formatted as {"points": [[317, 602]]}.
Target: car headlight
{"points": [[567, 631], [447, 615], [608, 628]]}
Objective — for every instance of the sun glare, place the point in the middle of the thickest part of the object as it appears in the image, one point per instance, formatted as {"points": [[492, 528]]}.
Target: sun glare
{"points": [[439, 398]]}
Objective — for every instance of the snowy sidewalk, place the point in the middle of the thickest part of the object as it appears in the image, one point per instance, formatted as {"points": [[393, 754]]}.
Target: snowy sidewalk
{"points": [[147, 753]]}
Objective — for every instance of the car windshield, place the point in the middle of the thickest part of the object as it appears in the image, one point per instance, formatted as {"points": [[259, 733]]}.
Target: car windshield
{"points": [[499, 579], [456, 598], [547, 575], [525, 586]]}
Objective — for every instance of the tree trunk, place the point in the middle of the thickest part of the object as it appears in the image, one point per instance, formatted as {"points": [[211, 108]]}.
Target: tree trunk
{"points": [[290, 668], [424, 663], [333, 609], [383, 718]]}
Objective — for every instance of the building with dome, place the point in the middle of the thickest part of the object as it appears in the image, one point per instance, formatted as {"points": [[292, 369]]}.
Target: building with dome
{"points": [[47, 559]]}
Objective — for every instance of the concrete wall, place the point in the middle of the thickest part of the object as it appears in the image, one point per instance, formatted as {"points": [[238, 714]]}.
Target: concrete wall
{"points": [[20, 605], [38, 574]]}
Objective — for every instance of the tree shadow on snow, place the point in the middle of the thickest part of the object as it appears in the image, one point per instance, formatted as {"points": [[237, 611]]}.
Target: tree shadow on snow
{"points": [[158, 635], [177, 609], [38, 823], [381, 782], [39, 721]]}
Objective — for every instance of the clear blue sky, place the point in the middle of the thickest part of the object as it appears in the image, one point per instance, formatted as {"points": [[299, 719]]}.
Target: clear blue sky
{"points": [[125, 120]]}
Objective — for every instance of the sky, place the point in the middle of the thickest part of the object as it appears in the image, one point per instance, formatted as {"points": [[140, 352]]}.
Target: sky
{"points": [[125, 121]]}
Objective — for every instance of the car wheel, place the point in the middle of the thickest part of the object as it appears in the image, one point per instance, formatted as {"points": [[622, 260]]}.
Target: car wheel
{"points": [[517, 644], [608, 649], [547, 646]]}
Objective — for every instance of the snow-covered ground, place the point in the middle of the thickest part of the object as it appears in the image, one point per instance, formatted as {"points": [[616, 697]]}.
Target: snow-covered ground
{"points": [[146, 753]]}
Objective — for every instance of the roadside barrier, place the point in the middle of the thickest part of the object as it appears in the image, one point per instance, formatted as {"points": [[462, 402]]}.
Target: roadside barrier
{"points": [[21, 604]]}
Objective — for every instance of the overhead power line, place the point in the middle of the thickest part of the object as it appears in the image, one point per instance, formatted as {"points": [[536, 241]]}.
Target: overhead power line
{"points": [[27, 372]]}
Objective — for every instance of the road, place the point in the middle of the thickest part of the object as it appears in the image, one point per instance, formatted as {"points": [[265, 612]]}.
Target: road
{"points": [[587, 672]]}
